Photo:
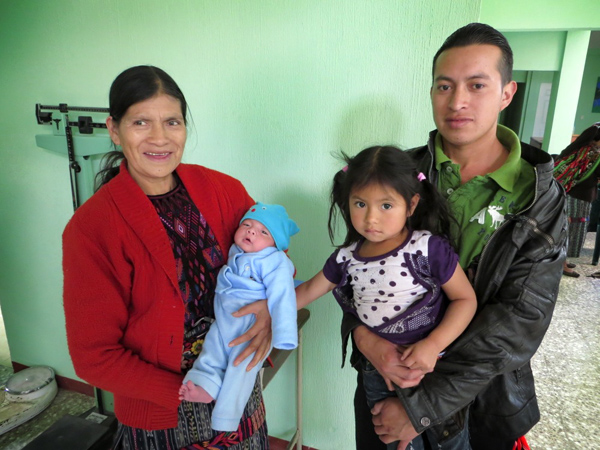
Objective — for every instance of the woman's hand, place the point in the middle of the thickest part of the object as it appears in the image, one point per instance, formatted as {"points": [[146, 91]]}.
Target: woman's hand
{"points": [[259, 334], [386, 358]]}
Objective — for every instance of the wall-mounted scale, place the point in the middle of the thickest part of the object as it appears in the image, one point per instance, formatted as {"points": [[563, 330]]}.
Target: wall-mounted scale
{"points": [[84, 147], [84, 142], [78, 140]]}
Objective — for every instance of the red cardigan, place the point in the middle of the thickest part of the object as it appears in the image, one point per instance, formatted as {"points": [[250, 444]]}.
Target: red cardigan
{"points": [[123, 308]]}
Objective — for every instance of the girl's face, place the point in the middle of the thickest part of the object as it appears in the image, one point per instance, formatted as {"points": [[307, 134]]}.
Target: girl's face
{"points": [[379, 214], [152, 135]]}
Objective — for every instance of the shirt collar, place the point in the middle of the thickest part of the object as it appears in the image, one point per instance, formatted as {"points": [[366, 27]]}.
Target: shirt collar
{"points": [[507, 175]]}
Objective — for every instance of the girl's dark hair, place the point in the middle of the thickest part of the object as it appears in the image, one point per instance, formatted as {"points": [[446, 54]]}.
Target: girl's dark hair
{"points": [[588, 135], [388, 166], [132, 86]]}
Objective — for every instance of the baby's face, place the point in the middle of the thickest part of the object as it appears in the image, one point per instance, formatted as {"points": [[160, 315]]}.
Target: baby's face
{"points": [[252, 236]]}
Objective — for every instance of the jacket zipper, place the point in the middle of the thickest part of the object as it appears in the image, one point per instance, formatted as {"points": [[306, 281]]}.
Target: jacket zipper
{"points": [[519, 216]]}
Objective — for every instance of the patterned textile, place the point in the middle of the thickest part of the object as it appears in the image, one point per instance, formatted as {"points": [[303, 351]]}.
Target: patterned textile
{"points": [[576, 167], [194, 432], [578, 212], [198, 258]]}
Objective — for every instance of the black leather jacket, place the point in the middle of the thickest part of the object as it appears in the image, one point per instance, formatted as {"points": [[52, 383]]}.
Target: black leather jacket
{"points": [[516, 281]]}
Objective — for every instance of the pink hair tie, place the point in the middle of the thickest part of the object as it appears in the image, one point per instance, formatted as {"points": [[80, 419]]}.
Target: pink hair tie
{"points": [[421, 176], [345, 169]]}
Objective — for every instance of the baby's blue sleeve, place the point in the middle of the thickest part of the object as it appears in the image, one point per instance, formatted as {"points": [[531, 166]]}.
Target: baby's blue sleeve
{"points": [[278, 279]]}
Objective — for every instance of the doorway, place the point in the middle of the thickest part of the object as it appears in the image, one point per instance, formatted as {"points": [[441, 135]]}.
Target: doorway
{"points": [[527, 113]]}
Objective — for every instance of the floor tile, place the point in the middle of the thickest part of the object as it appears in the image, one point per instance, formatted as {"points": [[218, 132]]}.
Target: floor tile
{"points": [[567, 364]]}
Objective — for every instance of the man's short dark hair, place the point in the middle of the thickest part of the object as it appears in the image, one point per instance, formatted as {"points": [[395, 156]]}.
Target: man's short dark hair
{"points": [[481, 34]]}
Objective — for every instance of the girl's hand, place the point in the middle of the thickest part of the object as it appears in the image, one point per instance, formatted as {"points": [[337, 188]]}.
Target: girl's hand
{"points": [[422, 355], [259, 334], [386, 358]]}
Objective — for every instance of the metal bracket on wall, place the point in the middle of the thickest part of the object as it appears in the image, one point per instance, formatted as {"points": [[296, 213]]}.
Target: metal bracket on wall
{"points": [[76, 140]]}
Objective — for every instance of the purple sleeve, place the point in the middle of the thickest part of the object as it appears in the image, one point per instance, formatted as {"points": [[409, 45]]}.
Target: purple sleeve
{"points": [[332, 270], [442, 259]]}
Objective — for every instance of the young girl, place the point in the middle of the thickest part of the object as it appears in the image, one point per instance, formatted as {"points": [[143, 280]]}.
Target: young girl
{"points": [[396, 270]]}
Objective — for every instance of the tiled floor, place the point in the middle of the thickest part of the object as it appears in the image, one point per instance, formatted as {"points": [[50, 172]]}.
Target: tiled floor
{"points": [[567, 369], [567, 365]]}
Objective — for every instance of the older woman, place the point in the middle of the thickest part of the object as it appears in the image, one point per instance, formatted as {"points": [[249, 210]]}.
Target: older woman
{"points": [[140, 262]]}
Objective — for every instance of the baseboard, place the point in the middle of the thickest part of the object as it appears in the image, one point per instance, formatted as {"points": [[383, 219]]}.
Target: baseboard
{"points": [[63, 382], [280, 444]]}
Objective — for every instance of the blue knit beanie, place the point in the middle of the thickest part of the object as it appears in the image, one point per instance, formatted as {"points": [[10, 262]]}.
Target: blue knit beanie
{"points": [[276, 220]]}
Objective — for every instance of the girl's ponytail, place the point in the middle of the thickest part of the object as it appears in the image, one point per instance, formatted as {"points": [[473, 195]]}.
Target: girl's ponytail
{"points": [[340, 197], [433, 212], [337, 202]]}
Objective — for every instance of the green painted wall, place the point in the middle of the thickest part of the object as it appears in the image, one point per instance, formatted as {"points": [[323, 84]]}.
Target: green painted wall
{"points": [[565, 95], [538, 55], [585, 117], [274, 88], [542, 50], [534, 29], [533, 15]]}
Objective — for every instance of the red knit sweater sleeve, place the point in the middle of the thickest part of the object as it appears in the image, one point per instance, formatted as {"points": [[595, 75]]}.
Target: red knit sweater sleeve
{"points": [[99, 277]]}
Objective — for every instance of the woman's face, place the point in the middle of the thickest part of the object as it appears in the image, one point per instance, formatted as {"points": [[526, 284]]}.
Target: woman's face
{"points": [[152, 135]]}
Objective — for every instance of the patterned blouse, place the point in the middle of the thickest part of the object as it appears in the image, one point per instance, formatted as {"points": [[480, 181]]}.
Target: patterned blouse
{"points": [[198, 258]]}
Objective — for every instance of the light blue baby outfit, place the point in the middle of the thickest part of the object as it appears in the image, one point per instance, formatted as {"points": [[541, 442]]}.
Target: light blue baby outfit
{"points": [[245, 278]]}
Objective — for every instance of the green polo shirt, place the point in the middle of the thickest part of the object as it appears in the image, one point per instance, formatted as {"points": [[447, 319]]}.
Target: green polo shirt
{"points": [[480, 204]]}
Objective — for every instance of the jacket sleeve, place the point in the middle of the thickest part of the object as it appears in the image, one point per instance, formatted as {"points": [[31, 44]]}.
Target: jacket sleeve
{"points": [[349, 323], [516, 291], [98, 279]]}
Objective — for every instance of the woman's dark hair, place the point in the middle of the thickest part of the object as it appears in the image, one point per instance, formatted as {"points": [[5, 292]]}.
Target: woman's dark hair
{"points": [[388, 166], [480, 34], [588, 135], [132, 86]]}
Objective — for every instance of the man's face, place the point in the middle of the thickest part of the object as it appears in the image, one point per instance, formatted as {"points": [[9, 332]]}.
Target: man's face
{"points": [[467, 95]]}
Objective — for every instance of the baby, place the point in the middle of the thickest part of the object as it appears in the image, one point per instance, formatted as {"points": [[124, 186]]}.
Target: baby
{"points": [[257, 268]]}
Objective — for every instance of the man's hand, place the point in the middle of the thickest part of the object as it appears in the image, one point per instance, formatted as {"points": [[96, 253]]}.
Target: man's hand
{"points": [[386, 358], [392, 424], [259, 334]]}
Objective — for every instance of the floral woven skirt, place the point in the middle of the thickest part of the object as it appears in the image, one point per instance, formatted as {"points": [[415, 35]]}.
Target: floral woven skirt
{"points": [[194, 433], [579, 216]]}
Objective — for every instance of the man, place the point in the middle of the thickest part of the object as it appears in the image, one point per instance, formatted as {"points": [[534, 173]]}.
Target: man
{"points": [[511, 240]]}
